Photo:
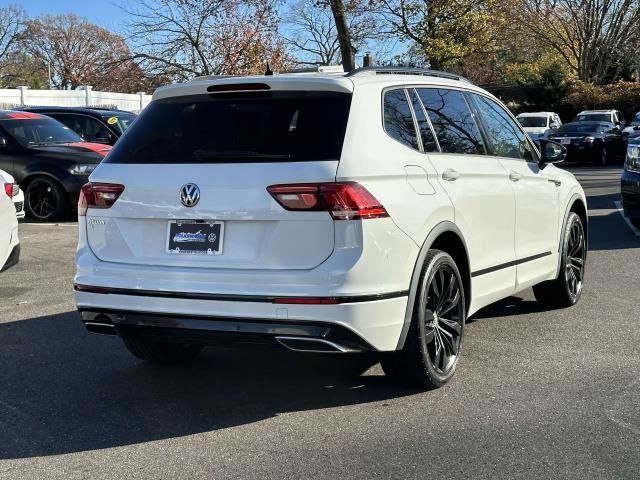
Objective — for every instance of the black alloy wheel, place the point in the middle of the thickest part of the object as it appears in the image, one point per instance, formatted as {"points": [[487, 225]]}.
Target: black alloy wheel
{"points": [[566, 289], [433, 345], [443, 320], [604, 156], [45, 199], [576, 255]]}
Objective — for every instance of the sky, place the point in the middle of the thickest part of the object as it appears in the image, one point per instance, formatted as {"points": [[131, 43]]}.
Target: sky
{"points": [[106, 13]]}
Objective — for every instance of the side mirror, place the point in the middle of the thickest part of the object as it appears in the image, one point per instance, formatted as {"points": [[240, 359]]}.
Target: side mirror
{"points": [[553, 126], [551, 152]]}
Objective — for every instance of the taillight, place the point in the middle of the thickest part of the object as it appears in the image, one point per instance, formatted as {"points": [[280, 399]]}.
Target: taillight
{"points": [[343, 200], [98, 195], [11, 189]]}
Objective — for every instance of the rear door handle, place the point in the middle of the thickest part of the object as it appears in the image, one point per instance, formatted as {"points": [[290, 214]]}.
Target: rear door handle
{"points": [[515, 176], [450, 175]]}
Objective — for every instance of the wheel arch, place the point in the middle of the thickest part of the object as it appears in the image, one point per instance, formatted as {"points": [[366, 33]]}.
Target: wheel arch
{"points": [[445, 236], [577, 205]]}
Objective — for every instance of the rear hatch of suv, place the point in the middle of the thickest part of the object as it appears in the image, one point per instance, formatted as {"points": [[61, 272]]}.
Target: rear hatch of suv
{"points": [[196, 165]]}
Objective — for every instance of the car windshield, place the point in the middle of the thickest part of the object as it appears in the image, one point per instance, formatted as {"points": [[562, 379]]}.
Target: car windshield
{"points": [[533, 121], [635, 120], [593, 117], [584, 127], [39, 130], [256, 127], [120, 121]]}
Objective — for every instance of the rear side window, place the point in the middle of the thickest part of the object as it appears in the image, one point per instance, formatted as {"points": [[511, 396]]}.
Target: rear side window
{"points": [[452, 121], [398, 121], [227, 128], [505, 136], [88, 128]]}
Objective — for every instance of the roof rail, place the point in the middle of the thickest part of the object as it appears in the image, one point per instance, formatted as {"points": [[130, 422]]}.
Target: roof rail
{"points": [[406, 71]]}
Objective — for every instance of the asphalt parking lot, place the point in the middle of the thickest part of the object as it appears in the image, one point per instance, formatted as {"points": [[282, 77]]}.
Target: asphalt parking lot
{"points": [[538, 394]]}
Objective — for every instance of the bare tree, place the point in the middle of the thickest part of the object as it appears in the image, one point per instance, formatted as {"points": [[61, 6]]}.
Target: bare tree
{"points": [[312, 34], [81, 53], [596, 38], [187, 38], [12, 20]]}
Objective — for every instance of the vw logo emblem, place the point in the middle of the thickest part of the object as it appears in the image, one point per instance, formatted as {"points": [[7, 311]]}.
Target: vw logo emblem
{"points": [[190, 195]]}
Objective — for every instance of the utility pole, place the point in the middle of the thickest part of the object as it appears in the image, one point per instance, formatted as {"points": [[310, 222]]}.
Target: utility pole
{"points": [[344, 38]]}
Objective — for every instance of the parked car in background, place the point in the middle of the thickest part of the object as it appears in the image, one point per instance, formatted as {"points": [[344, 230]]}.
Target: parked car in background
{"points": [[611, 116], [13, 190], [9, 243], [48, 160], [630, 184], [94, 125], [599, 142], [367, 212], [632, 129], [539, 125]]}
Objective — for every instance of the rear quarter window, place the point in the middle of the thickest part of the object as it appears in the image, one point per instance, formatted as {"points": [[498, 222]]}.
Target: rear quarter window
{"points": [[398, 119], [226, 128]]}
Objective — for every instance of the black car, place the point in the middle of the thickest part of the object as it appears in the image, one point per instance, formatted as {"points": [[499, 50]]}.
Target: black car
{"points": [[49, 161], [631, 182], [92, 124], [585, 141]]}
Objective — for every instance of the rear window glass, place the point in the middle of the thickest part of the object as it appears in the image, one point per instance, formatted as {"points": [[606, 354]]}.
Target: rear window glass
{"points": [[227, 128]]}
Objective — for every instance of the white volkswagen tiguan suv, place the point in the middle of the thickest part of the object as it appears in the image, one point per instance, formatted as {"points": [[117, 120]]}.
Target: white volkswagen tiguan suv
{"points": [[369, 211]]}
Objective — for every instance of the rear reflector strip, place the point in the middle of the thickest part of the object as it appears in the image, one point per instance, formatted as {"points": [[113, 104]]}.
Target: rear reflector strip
{"points": [[307, 301]]}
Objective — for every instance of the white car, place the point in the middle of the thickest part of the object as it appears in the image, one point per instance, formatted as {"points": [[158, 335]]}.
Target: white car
{"points": [[538, 125], [13, 189], [9, 242], [370, 211]]}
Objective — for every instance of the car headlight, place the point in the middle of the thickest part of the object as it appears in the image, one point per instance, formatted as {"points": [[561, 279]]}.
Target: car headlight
{"points": [[588, 139], [82, 169], [632, 162]]}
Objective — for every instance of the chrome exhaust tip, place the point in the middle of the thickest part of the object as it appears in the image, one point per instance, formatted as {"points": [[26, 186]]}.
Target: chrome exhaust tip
{"points": [[313, 345], [101, 328]]}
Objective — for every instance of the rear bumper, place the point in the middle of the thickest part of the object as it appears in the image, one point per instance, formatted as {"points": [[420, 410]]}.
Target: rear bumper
{"points": [[207, 330], [630, 190], [358, 326]]}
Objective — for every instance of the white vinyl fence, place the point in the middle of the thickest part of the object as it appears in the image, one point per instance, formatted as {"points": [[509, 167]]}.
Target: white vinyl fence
{"points": [[84, 97]]}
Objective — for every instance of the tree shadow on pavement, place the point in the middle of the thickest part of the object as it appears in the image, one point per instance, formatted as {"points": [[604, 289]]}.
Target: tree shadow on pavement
{"points": [[64, 391]]}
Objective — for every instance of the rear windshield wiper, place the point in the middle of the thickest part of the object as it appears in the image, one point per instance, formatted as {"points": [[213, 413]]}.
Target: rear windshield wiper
{"points": [[204, 155]]}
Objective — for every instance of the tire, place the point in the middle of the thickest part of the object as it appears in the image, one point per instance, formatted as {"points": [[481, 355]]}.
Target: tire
{"points": [[604, 157], [432, 349], [46, 200], [566, 289], [157, 351]]}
